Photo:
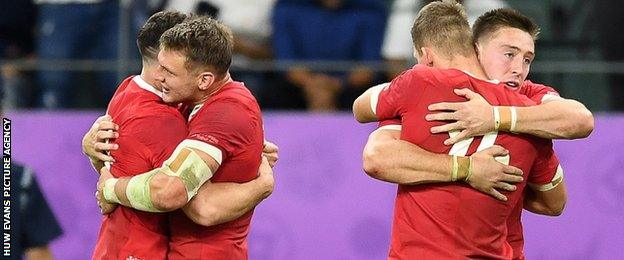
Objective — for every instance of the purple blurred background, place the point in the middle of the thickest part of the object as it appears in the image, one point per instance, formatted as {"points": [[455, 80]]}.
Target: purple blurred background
{"points": [[324, 206]]}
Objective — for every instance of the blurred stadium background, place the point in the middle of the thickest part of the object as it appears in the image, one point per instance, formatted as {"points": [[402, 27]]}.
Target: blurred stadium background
{"points": [[61, 60]]}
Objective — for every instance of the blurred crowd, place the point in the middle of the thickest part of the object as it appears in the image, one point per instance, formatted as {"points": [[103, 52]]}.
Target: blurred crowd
{"points": [[304, 33]]}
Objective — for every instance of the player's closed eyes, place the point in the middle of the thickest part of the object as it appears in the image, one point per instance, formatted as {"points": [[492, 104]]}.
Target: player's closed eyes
{"points": [[509, 55], [168, 72]]}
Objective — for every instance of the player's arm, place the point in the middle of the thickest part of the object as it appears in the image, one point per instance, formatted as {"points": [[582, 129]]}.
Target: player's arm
{"points": [[217, 203], [365, 105], [551, 202], [169, 187], [390, 159], [95, 143], [554, 118], [546, 192], [388, 101], [211, 140]]}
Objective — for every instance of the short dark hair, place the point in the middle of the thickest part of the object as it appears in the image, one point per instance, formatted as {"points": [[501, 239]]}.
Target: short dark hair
{"points": [[148, 39], [444, 25], [205, 42], [490, 22]]}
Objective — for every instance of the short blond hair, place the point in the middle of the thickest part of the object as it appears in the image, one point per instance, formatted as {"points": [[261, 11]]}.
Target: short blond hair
{"points": [[204, 41], [444, 26]]}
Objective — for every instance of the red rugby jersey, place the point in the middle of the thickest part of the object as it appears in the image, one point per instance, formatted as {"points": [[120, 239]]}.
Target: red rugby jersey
{"points": [[453, 220], [229, 120], [515, 236], [149, 131]]}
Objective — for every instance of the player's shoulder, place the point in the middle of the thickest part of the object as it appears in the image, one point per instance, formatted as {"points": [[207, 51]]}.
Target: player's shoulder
{"points": [[233, 104], [234, 89], [234, 93], [530, 86], [122, 88], [126, 82], [417, 73], [430, 74], [530, 89], [133, 88], [515, 97], [144, 109]]}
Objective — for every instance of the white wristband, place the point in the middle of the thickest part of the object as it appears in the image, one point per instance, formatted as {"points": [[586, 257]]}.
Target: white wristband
{"points": [[514, 117], [109, 191], [496, 118]]}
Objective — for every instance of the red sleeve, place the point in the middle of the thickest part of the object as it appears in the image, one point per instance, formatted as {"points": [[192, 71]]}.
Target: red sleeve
{"points": [[536, 91], [161, 134], [545, 166], [392, 99], [226, 124]]}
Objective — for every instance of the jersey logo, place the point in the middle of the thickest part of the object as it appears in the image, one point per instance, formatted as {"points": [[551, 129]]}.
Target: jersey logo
{"points": [[206, 138]]}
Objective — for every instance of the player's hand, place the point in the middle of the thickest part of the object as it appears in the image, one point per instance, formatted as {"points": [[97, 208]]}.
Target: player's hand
{"points": [[105, 206], [265, 177], [472, 118], [490, 176], [270, 151], [94, 142]]}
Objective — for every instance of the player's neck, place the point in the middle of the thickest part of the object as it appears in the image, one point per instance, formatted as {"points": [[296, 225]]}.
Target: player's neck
{"points": [[468, 64], [214, 88], [147, 72]]}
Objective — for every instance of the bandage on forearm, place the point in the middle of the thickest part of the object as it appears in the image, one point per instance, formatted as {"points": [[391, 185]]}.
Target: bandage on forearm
{"points": [[109, 191], [504, 118], [461, 168], [184, 164], [187, 165], [139, 193]]}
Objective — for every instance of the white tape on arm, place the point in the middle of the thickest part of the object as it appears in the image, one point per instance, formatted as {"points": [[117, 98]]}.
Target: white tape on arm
{"points": [[139, 193], [375, 91], [189, 166], [556, 180], [214, 152], [109, 191]]}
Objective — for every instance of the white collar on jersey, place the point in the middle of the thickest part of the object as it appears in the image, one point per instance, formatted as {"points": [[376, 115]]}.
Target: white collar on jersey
{"points": [[194, 111], [144, 85], [493, 81]]}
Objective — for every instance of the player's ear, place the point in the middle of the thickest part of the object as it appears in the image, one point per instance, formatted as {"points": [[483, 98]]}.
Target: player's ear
{"points": [[205, 80], [419, 55], [477, 48], [426, 57]]}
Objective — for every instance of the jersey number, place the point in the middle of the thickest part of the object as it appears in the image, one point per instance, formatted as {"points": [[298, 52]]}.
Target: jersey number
{"points": [[461, 148]]}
